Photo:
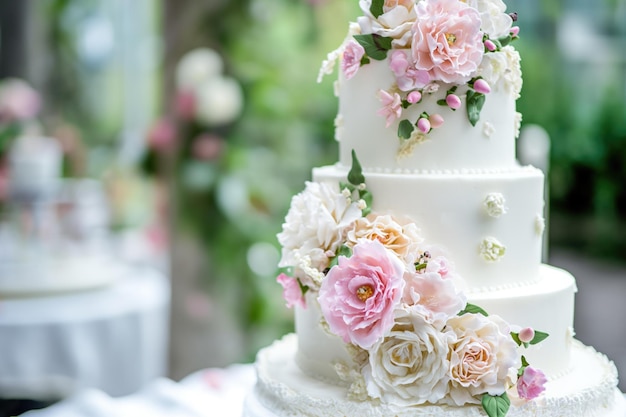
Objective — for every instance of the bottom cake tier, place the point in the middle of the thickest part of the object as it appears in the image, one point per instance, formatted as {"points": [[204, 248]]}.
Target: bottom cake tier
{"points": [[589, 389]]}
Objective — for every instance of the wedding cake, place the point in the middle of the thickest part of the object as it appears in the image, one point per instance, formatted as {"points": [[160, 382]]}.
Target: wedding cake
{"points": [[54, 232], [414, 263]]}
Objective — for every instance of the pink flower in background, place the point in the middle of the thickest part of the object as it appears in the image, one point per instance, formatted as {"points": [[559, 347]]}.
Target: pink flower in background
{"points": [[407, 76], [351, 61], [359, 295], [392, 106], [207, 147], [162, 135], [531, 384], [447, 40], [18, 100], [185, 104], [4, 182], [291, 291]]}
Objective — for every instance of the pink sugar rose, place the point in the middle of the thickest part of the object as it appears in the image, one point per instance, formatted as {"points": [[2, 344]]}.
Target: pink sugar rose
{"points": [[447, 40], [351, 61], [359, 295], [291, 291], [531, 384], [392, 106], [407, 76]]}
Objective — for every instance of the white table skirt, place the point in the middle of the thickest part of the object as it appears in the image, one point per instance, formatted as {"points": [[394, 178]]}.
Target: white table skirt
{"points": [[207, 393], [113, 339]]}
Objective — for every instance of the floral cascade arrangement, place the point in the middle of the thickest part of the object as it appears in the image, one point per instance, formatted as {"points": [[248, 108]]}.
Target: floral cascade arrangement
{"points": [[395, 300], [454, 49]]}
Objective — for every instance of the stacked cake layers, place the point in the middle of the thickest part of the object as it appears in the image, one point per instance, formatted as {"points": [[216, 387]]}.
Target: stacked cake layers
{"points": [[427, 170]]}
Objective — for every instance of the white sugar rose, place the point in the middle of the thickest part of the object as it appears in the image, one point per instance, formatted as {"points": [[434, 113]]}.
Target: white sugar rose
{"points": [[410, 365], [503, 67], [395, 22], [401, 238], [316, 225], [494, 20], [483, 357]]}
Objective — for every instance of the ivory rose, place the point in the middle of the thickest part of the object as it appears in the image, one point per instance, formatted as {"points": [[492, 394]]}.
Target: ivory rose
{"points": [[358, 296], [403, 240], [410, 365], [447, 40], [315, 225], [395, 22], [482, 358], [494, 20]]}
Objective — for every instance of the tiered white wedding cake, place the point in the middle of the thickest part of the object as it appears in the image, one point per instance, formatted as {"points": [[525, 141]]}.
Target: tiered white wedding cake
{"points": [[414, 263]]}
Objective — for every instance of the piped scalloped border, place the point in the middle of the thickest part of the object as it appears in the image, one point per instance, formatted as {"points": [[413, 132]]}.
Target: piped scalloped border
{"points": [[459, 171]]}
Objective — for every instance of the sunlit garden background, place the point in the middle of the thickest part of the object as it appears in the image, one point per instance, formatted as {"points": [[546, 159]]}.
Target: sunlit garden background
{"points": [[204, 118]]}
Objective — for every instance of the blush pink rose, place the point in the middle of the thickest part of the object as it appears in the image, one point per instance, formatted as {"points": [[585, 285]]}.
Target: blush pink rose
{"points": [[351, 61], [531, 384], [359, 295], [447, 40], [291, 291], [407, 76]]}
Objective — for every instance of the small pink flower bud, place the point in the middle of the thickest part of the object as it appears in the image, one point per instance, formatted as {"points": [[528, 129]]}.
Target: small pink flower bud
{"points": [[414, 97], [515, 31], [526, 335], [435, 120], [453, 101], [482, 86], [423, 125], [490, 45]]}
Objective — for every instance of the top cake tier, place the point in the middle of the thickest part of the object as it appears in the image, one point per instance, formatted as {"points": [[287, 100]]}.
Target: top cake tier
{"points": [[428, 86]]}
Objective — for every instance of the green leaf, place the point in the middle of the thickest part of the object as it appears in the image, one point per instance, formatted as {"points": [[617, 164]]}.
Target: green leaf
{"points": [[355, 176], [496, 405], [377, 7], [303, 288], [375, 46], [473, 309], [515, 337], [539, 337], [521, 369], [505, 40], [365, 60], [343, 251], [475, 103], [405, 129], [442, 102]]}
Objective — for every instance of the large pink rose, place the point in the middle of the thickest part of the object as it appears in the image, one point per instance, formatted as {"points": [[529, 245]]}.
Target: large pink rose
{"points": [[358, 296], [447, 40], [407, 77], [531, 384]]}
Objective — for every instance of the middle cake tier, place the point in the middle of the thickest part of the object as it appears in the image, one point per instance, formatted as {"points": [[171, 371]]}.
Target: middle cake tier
{"points": [[489, 223]]}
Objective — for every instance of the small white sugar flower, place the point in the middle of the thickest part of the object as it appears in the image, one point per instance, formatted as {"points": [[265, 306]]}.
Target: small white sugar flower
{"points": [[491, 249], [540, 224], [495, 205], [488, 129]]}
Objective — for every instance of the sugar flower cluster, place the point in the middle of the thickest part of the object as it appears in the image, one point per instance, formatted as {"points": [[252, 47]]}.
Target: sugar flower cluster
{"points": [[460, 45], [395, 300]]}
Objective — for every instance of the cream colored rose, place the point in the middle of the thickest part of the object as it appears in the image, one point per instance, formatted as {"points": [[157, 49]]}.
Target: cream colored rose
{"points": [[315, 226], [410, 365], [395, 22], [483, 357], [494, 20], [403, 239]]}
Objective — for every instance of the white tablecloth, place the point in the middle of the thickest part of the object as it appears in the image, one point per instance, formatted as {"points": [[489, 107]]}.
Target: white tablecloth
{"points": [[113, 339], [207, 393]]}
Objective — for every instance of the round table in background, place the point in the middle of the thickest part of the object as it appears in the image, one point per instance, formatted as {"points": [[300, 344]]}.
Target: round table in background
{"points": [[112, 338]]}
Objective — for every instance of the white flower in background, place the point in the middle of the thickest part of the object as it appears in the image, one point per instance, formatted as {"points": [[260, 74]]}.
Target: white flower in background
{"points": [[395, 22], [219, 101], [196, 67], [491, 249], [494, 20], [483, 357], [495, 204], [315, 225], [402, 239], [410, 366]]}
